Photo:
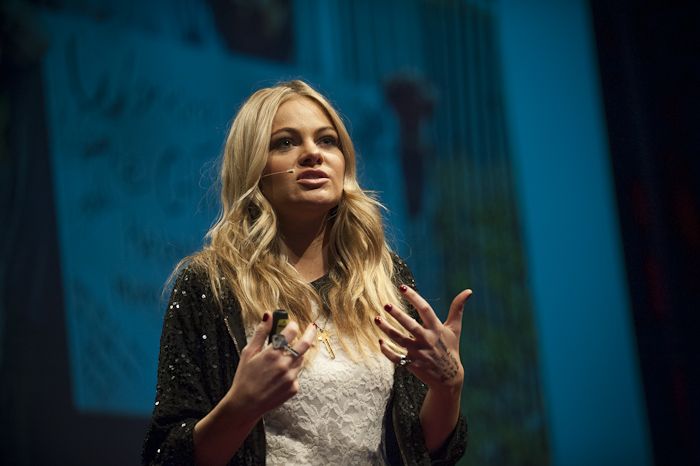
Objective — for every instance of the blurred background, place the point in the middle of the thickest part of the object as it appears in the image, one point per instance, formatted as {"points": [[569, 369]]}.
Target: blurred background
{"points": [[543, 153]]}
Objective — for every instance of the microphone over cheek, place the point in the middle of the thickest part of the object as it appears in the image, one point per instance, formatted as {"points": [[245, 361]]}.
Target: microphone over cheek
{"points": [[291, 170]]}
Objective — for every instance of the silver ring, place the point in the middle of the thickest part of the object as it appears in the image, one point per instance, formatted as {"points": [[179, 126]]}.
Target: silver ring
{"points": [[280, 342], [404, 361]]}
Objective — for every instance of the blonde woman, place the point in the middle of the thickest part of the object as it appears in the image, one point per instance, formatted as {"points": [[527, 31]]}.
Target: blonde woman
{"points": [[364, 373]]}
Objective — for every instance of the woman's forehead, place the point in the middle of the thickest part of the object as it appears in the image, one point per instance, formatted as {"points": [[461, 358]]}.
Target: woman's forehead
{"points": [[301, 112]]}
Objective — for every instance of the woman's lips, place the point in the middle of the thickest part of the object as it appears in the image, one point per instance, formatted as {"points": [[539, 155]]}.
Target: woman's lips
{"points": [[312, 174], [312, 182], [312, 178]]}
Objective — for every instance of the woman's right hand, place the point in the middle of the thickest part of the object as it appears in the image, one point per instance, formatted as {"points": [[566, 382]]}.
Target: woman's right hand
{"points": [[267, 377]]}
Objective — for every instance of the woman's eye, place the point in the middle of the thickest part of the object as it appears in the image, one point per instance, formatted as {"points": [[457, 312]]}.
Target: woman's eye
{"points": [[282, 143], [328, 141]]}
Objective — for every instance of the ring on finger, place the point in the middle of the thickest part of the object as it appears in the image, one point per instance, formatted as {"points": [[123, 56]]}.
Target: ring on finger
{"points": [[279, 342], [404, 361]]}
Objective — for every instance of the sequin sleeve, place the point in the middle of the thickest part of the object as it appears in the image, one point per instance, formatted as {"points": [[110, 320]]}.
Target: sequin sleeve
{"points": [[190, 382], [403, 415]]}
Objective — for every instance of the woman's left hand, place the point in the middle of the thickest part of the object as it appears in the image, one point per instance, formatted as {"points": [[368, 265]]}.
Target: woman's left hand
{"points": [[432, 349]]}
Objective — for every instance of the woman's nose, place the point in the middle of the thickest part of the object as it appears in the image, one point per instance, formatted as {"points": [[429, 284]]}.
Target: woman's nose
{"points": [[311, 156]]}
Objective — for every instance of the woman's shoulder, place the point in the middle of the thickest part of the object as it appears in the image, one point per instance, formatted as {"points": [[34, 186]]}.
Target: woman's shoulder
{"points": [[191, 281], [188, 274], [195, 301], [201, 269]]}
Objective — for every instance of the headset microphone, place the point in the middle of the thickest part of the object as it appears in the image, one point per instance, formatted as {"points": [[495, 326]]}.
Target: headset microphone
{"points": [[291, 170]]}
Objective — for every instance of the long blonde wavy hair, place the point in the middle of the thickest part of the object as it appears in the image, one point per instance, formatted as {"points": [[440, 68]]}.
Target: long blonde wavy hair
{"points": [[243, 250]]}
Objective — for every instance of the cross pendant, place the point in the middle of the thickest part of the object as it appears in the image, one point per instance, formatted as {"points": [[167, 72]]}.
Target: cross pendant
{"points": [[324, 338]]}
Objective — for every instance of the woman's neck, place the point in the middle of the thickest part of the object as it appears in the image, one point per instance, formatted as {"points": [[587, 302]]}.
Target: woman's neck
{"points": [[304, 245]]}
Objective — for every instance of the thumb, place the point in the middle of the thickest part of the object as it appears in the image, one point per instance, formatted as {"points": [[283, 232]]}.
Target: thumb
{"points": [[262, 330], [454, 317]]}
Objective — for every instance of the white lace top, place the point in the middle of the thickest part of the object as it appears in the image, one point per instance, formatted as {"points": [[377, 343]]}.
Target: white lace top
{"points": [[336, 417]]}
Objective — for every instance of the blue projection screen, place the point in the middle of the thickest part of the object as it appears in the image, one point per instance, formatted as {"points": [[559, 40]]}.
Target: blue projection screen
{"points": [[136, 126]]}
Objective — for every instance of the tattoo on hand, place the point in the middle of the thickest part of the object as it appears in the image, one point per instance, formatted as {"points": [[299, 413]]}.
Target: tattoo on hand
{"points": [[447, 365]]}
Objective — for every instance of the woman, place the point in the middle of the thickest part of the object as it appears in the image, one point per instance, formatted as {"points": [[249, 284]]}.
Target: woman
{"points": [[359, 376]]}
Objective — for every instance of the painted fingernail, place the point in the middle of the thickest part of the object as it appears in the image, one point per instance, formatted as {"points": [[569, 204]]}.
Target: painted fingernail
{"points": [[403, 288], [377, 320], [381, 342], [388, 307], [266, 316]]}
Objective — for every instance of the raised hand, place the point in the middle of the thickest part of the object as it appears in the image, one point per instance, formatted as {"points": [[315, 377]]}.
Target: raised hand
{"points": [[432, 349]]}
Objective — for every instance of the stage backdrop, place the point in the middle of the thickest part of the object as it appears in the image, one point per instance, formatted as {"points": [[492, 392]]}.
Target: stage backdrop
{"points": [[139, 96]]}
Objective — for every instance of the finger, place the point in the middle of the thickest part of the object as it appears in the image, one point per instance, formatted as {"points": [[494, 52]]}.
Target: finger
{"points": [[425, 311], [454, 317], [391, 356], [301, 347], [290, 331], [257, 341], [394, 334], [307, 340], [406, 321]]}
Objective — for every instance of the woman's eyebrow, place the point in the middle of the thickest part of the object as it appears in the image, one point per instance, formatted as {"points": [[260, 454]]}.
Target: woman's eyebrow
{"points": [[326, 128], [284, 130], [295, 131]]}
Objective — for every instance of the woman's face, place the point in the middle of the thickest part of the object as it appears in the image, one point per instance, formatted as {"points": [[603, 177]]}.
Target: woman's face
{"points": [[304, 139]]}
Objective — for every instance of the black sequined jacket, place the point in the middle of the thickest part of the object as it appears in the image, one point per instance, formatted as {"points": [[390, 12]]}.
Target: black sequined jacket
{"points": [[199, 354]]}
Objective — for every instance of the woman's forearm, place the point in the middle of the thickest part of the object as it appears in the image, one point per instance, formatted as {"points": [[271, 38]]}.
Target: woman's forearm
{"points": [[219, 434], [439, 415]]}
